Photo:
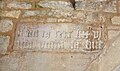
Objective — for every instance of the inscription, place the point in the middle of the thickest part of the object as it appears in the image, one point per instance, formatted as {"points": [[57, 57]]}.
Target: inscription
{"points": [[57, 37]]}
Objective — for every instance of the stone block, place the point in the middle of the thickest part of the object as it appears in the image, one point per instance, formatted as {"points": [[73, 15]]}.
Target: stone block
{"points": [[39, 13], [19, 5], [4, 43], [62, 5], [1, 4], [12, 14], [116, 20], [38, 61], [10, 62], [60, 37], [6, 25]]}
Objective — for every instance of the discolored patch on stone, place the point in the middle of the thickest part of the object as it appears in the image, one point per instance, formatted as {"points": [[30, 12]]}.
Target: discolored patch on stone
{"points": [[4, 43], [6, 25]]}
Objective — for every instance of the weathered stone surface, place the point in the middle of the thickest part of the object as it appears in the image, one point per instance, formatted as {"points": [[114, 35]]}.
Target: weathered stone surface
{"points": [[94, 17], [1, 4], [6, 25], [92, 5], [111, 58], [97, 5], [116, 20], [86, 5], [19, 5], [4, 43], [34, 19], [110, 6], [113, 34], [49, 35], [10, 62], [40, 13], [61, 13], [13, 13], [117, 68], [119, 6], [82, 16], [51, 20], [56, 5], [37, 61], [64, 20], [61, 37], [56, 61]]}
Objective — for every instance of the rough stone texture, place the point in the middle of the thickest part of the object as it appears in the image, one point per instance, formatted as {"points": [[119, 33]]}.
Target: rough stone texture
{"points": [[107, 62], [19, 5], [113, 34], [61, 13], [35, 13], [55, 62], [110, 6], [6, 25], [10, 62], [116, 20], [1, 4], [27, 25], [56, 5], [4, 43], [13, 14], [97, 5], [117, 68], [63, 37], [64, 20]]}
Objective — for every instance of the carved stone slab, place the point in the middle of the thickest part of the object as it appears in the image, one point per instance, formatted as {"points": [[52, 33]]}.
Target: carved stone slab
{"points": [[61, 37]]}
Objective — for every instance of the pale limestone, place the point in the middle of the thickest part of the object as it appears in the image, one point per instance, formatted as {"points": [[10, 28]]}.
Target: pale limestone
{"points": [[113, 34], [10, 62], [96, 5], [19, 5], [60, 37], [1, 4], [117, 68], [37, 61], [6, 25], [13, 13], [51, 19], [4, 43], [111, 58], [64, 20], [84, 5], [62, 5], [110, 7], [35, 13], [61, 13], [116, 20]]}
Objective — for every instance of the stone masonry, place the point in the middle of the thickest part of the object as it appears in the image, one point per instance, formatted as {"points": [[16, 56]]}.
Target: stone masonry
{"points": [[50, 35]]}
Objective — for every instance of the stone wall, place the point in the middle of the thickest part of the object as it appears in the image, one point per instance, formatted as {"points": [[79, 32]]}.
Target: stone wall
{"points": [[49, 35]]}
